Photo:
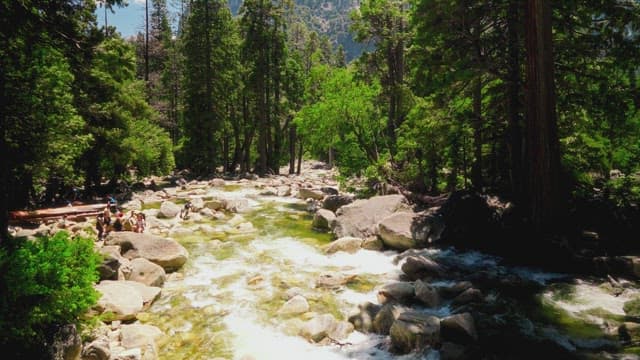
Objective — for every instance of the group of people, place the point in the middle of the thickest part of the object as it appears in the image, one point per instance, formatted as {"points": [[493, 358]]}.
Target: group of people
{"points": [[135, 221]]}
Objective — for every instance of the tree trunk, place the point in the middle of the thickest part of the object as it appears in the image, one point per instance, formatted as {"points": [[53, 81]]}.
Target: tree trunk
{"points": [[476, 170], [513, 85], [546, 202], [4, 176], [300, 149], [292, 149], [146, 43]]}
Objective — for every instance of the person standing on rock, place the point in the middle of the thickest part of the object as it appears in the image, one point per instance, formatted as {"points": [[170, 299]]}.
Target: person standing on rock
{"points": [[112, 203], [184, 213]]}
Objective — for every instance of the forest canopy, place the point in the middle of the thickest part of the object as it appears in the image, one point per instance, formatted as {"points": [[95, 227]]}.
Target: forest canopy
{"points": [[446, 96]]}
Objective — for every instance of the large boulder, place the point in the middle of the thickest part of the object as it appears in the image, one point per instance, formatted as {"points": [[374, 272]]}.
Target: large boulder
{"points": [[97, 350], [459, 328], [197, 203], [427, 294], [111, 262], [141, 336], [168, 210], [398, 291], [164, 252], [146, 272], [346, 244], [386, 317], [419, 267], [360, 218], [124, 299], [396, 230], [335, 202], [414, 331], [324, 220], [304, 193], [326, 325], [66, 344]]}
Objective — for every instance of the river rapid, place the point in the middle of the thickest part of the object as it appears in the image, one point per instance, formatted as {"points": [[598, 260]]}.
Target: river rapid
{"points": [[225, 302]]}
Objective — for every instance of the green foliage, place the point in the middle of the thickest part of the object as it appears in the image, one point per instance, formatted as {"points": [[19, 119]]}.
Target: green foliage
{"points": [[344, 118], [44, 283], [122, 122], [210, 50]]}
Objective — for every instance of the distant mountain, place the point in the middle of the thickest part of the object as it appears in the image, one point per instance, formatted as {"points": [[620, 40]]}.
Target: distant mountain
{"points": [[327, 17]]}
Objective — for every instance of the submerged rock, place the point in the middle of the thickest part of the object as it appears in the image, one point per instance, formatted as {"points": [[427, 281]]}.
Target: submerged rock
{"points": [[346, 244], [296, 305], [326, 325], [333, 280]]}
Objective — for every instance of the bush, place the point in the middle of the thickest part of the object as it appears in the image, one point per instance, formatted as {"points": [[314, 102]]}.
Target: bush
{"points": [[44, 283]]}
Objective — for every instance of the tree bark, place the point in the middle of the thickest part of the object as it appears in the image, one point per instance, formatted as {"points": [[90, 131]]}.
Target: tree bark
{"points": [[146, 43], [4, 174], [545, 201], [292, 149], [476, 169], [513, 85]]}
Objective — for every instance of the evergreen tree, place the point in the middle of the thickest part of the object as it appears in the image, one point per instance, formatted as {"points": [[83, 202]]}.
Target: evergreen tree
{"points": [[209, 49]]}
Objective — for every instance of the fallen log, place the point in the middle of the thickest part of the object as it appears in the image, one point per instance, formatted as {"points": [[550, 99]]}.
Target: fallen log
{"points": [[54, 213]]}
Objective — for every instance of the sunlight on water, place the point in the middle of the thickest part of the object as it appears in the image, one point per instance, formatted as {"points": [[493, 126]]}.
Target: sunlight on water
{"points": [[230, 291]]}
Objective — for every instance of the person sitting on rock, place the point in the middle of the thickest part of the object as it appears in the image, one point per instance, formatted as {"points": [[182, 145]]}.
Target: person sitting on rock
{"points": [[130, 222], [106, 214], [118, 223], [184, 213], [100, 225], [141, 222]]}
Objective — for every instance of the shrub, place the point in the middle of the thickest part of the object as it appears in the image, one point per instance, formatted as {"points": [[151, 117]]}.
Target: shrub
{"points": [[44, 283]]}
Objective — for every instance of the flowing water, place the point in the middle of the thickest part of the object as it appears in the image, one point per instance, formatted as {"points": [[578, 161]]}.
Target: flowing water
{"points": [[224, 303]]}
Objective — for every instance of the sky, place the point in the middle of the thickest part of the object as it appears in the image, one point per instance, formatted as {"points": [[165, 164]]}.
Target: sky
{"points": [[128, 20]]}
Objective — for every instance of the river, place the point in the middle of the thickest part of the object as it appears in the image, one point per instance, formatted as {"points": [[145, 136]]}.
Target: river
{"points": [[225, 302]]}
